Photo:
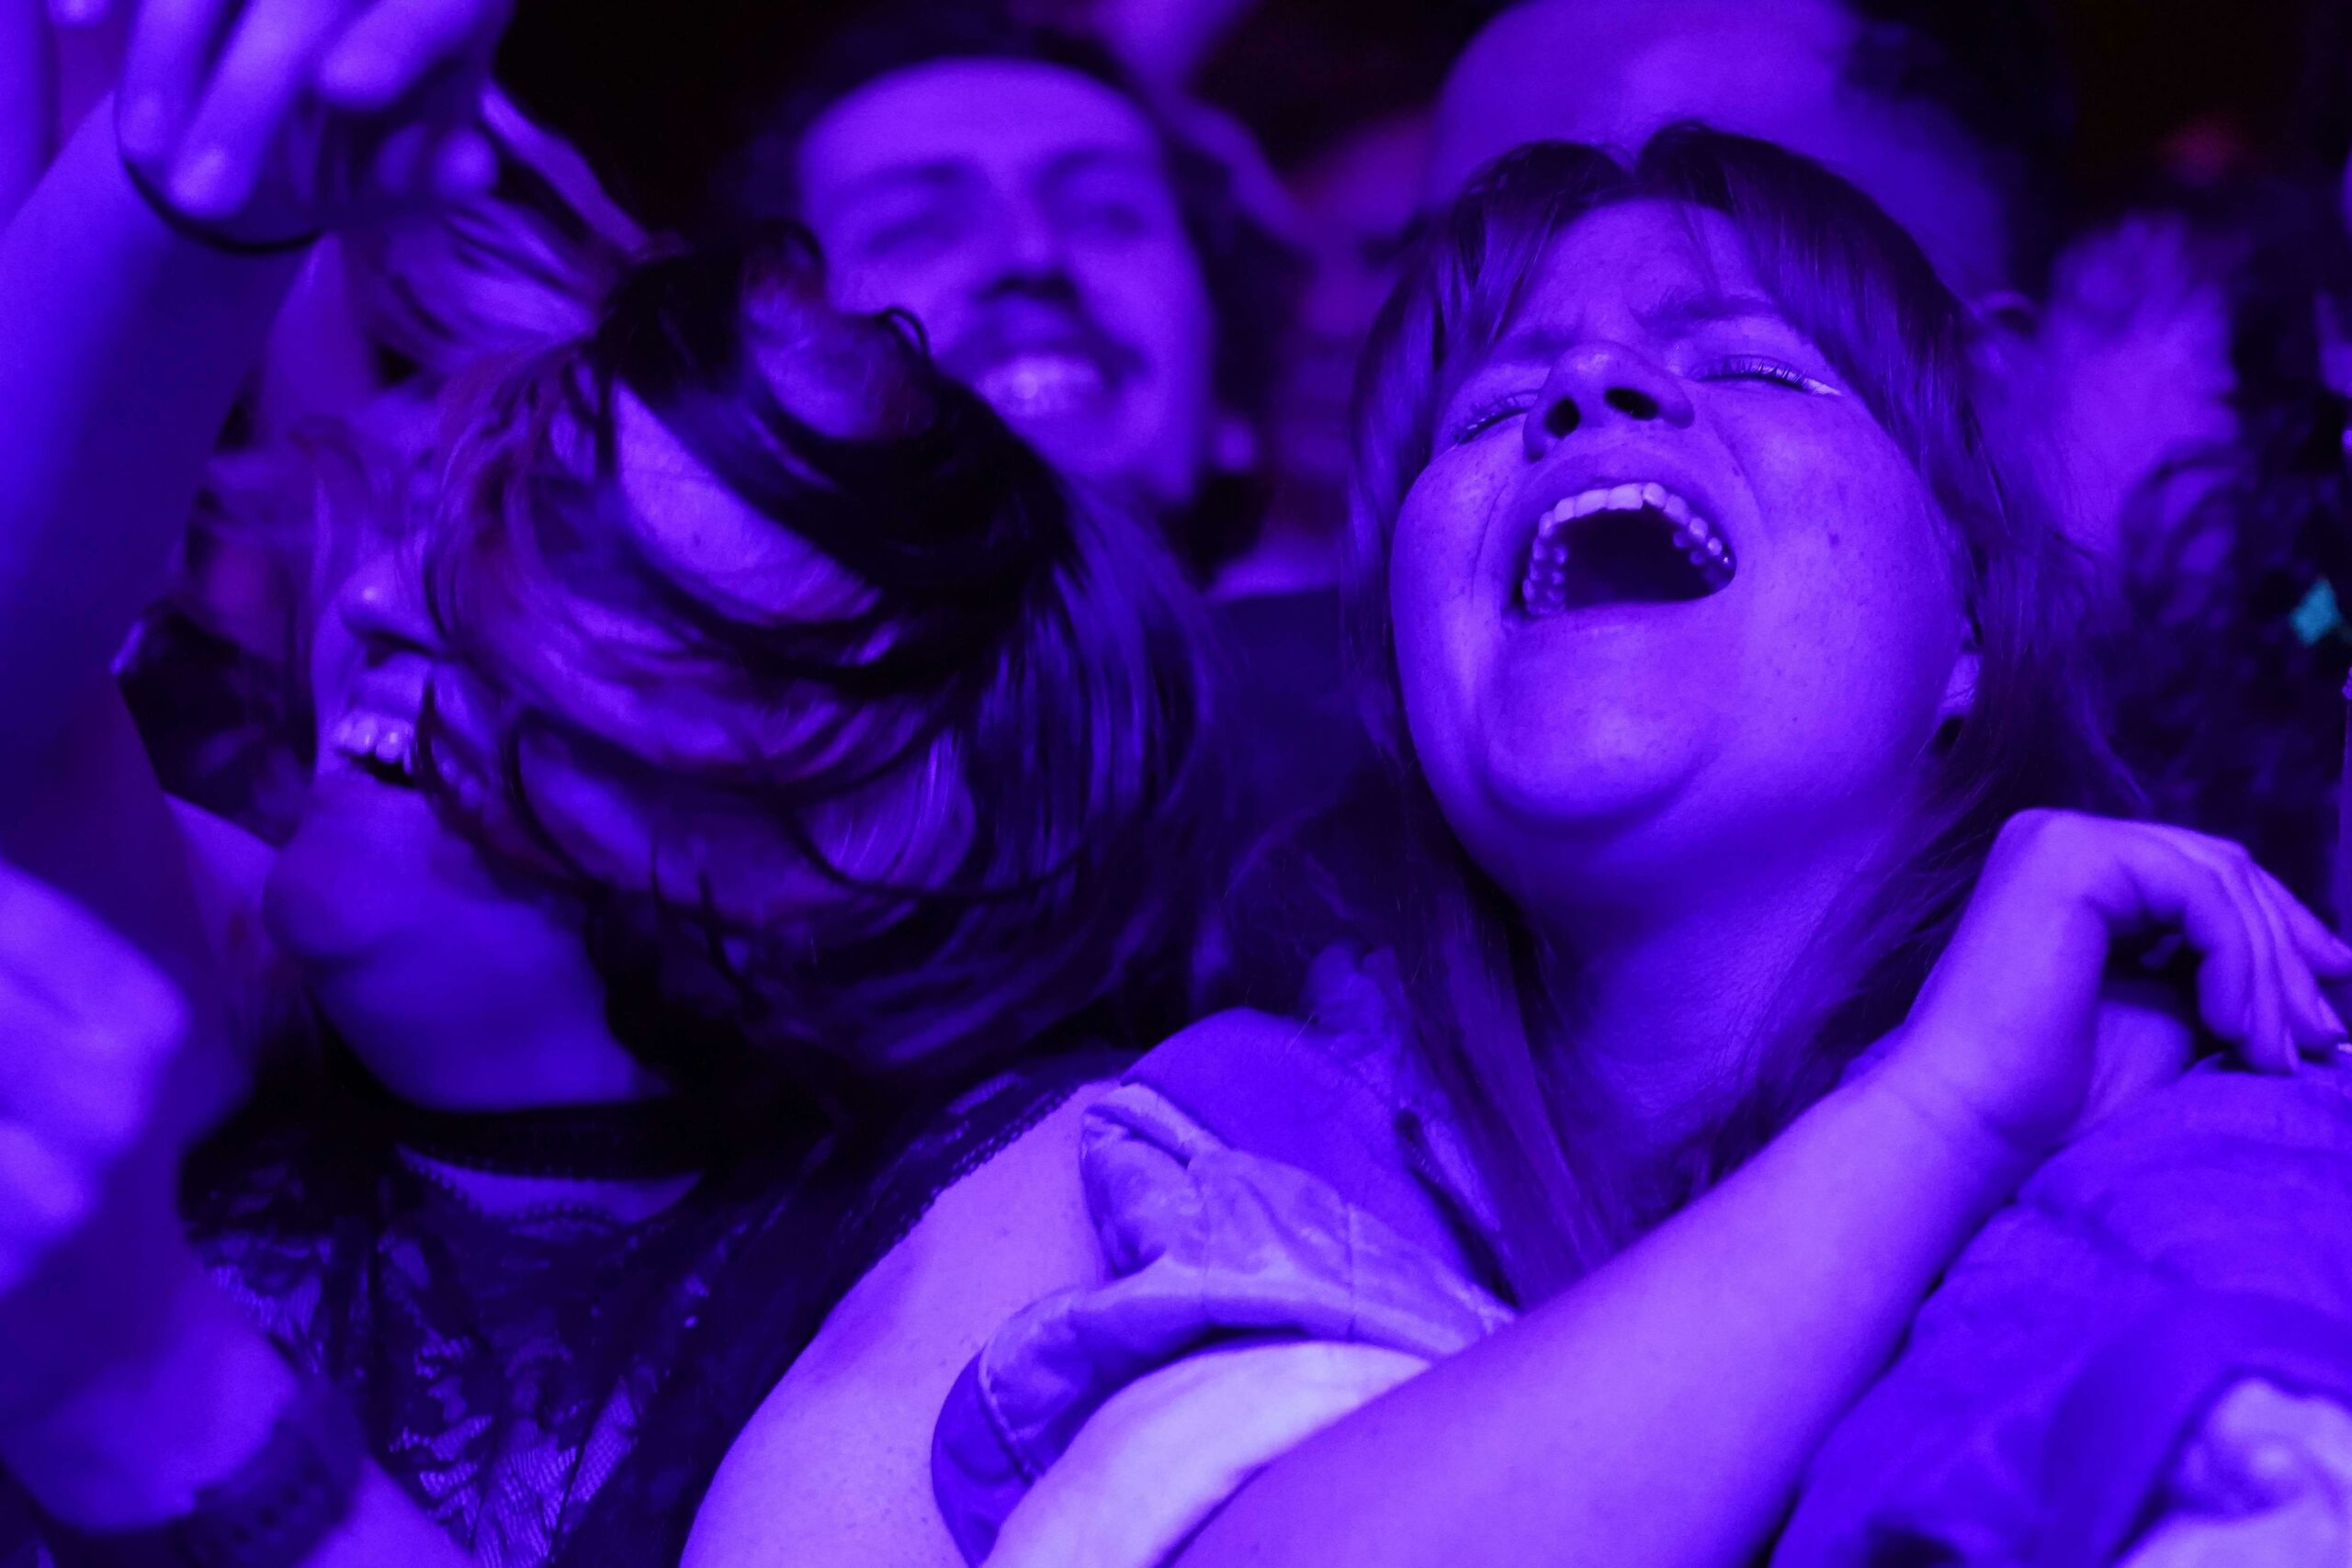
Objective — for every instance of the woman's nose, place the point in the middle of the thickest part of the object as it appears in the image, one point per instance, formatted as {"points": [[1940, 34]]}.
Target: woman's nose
{"points": [[1598, 384], [382, 602]]}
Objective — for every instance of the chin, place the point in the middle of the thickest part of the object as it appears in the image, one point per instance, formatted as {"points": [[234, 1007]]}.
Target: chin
{"points": [[366, 864]]}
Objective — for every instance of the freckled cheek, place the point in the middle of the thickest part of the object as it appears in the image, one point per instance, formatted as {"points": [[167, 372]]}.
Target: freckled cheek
{"points": [[1444, 626]]}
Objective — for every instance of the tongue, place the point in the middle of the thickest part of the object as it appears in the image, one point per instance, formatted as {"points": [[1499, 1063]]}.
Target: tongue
{"points": [[1620, 558]]}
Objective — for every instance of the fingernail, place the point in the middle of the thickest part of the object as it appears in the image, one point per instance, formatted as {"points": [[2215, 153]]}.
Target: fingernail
{"points": [[140, 129], [202, 179]]}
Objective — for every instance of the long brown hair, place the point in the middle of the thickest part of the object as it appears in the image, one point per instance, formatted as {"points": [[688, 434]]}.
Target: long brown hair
{"points": [[1858, 288]]}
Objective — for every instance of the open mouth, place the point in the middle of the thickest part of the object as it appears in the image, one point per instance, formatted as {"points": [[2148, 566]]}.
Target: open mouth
{"points": [[1045, 384], [1628, 544], [383, 748]]}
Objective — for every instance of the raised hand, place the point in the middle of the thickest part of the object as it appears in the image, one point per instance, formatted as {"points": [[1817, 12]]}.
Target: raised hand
{"points": [[2019, 1028], [265, 119], [91, 1039]]}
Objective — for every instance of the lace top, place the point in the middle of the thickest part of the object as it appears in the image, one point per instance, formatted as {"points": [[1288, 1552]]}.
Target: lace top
{"points": [[558, 1387]]}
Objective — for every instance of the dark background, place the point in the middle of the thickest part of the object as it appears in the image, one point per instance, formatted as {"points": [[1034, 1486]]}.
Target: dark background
{"points": [[656, 89]]}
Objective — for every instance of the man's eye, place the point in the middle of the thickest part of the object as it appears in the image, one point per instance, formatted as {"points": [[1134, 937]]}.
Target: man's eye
{"points": [[1755, 367], [902, 236]]}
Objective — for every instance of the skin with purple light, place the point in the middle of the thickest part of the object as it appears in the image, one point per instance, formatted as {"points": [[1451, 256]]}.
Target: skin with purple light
{"points": [[1679, 768], [1021, 214], [1783, 709], [457, 978]]}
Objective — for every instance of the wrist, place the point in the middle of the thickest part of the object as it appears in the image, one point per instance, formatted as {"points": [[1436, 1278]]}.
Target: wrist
{"points": [[133, 1444], [1988, 1161]]}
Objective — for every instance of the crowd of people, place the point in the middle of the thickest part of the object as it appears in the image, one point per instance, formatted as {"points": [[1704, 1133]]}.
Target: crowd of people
{"points": [[1566, 790]]}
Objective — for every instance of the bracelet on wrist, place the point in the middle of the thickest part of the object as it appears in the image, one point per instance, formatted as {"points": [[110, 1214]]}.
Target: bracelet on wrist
{"points": [[209, 235]]}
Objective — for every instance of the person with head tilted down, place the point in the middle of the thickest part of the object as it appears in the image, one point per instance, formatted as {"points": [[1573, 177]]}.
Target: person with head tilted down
{"points": [[737, 749], [1773, 924]]}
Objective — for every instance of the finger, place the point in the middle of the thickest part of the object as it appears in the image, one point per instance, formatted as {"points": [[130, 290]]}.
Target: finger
{"points": [[42, 1196], [2310, 954], [84, 1076], [77, 13], [2169, 888], [2327, 1031], [2329, 954], [465, 164], [2303, 1013], [261, 77], [2302, 1010], [401, 168], [391, 50], [164, 66], [57, 947]]}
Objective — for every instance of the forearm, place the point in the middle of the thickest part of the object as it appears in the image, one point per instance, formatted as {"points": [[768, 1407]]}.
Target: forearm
{"points": [[1661, 1411], [133, 1448], [125, 346], [27, 93]]}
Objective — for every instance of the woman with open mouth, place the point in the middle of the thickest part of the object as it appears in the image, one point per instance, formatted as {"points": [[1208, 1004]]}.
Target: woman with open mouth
{"points": [[740, 746], [1766, 901]]}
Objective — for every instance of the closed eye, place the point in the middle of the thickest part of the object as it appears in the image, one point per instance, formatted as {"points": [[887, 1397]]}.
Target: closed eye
{"points": [[1490, 415], [1755, 367]]}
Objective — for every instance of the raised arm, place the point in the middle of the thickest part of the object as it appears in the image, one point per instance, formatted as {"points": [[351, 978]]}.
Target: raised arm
{"points": [[133, 315], [27, 99], [125, 345], [131, 1388]]}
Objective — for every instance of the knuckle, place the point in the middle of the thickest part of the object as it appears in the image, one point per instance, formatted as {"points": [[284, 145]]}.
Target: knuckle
{"points": [[2036, 830], [47, 1194]]}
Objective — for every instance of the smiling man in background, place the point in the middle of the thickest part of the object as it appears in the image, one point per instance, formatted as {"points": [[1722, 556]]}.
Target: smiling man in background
{"points": [[1093, 269]]}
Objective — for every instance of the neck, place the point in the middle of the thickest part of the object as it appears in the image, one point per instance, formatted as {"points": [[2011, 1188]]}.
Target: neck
{"points": [[496, 1047], [1663, 1002]]}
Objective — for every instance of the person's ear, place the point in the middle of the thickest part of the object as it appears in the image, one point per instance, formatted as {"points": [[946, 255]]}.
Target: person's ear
{"points": [[2008, 312], [1959, 689]]}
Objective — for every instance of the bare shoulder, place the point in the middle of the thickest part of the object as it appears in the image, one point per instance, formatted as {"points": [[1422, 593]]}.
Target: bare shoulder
{"points": [[835, 1467]]}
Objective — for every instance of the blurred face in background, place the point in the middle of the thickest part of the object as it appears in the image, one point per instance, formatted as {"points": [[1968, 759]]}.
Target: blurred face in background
{"points": [[1587, 70], [2134, 372], [1025, 215], [1356, 201]]}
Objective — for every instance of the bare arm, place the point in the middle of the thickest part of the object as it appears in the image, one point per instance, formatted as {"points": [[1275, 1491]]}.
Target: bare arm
{"points": [[130, 1385], [1662, 1410], [27, 94], [834, 1472], [125, 348], [1634, 1418]]}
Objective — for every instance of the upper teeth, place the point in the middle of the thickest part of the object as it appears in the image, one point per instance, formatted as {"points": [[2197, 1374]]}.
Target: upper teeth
{"points": [[1691, 529], [370, 736], [1041, 385], [1543, 587]]}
